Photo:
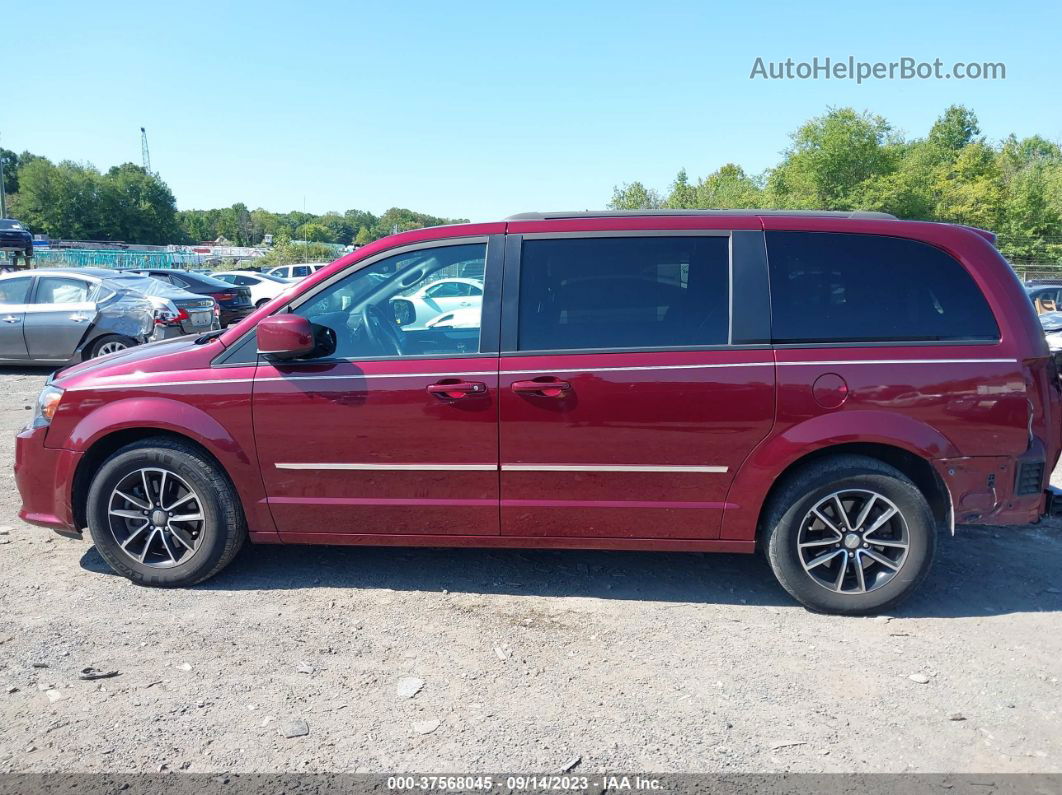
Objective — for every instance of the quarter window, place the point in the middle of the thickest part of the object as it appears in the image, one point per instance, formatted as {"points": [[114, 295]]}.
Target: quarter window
{"points": [[624, 292], [833, 287]]}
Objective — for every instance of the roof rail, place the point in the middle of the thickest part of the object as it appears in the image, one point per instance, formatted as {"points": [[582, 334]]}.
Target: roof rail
{"points": [[554, 216]]}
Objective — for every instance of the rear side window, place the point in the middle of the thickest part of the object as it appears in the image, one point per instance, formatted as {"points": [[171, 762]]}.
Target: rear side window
{"points": [[624, 292], [831, 287], [60, 290]]}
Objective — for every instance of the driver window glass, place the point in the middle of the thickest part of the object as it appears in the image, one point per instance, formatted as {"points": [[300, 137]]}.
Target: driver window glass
{"points": [[382, 310], [14, 291]]}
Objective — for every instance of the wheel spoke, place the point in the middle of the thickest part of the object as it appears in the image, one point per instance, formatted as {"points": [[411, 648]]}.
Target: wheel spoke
{"points": [[827, 542], [878, 543], [132, 500], [162, 488], [127, 514], [147, 544], [183, 538], [189, 496], [842, 571], [880, 521], [187, 517], [840, 509], [147, 486], [884, 561], [863, 514], [822, 518], [166, 546], [134, 534], [858, 563], [826, 557]]}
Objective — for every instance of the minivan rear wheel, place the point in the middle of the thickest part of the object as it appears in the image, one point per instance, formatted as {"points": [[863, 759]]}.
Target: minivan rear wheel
{"points": [[849, 535], [162, 513]]}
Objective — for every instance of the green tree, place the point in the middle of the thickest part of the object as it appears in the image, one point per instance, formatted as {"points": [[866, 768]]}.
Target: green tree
{"points": [[634, 196], [830, 158], [315, 233]]}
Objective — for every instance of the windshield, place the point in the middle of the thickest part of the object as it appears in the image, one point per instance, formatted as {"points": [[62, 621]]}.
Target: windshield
{"points": [[11, 223]]}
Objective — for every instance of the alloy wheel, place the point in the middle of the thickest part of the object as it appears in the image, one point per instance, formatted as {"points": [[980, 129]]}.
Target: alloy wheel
{"points": [[853, 541], [156, 518], [111, 347]]}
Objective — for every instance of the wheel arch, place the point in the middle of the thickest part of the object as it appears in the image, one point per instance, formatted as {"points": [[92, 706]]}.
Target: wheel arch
{"points": [[919, 470], [898, 440], [108, 444]]}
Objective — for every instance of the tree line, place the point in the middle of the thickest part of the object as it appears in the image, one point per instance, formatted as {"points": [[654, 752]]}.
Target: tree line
{"points": [[845, 160], [842, 160], [76, 201]]}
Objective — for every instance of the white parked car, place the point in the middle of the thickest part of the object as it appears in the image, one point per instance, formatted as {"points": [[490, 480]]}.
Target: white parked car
{"points": [[466, 317], [442, 296], [263, 287], [293, 273]]}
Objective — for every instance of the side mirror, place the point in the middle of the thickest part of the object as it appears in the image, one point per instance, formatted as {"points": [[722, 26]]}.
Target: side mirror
{"points": [[285, 337], [405, 312]]}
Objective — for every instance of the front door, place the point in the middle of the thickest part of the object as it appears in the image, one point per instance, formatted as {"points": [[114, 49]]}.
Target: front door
{"points": [[59, 316], [14, 294], [386, 430], [627, 400]]}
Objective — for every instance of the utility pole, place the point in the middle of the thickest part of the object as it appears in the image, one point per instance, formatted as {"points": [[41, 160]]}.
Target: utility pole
{"points": [[3, 196], [145, 155]]}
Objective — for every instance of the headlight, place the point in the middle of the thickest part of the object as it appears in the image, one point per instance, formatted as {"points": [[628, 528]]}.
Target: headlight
{"points": [[47, 405]]}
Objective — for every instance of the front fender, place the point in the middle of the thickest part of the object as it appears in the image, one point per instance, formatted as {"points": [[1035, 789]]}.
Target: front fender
{"points": [[234, 451], [778, 452]]}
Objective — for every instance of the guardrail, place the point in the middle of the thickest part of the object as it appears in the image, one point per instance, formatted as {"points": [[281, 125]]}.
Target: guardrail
{"points": [[100, 258]]}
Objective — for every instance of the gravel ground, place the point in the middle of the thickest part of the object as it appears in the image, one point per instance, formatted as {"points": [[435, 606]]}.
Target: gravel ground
{"points": [[525, 661]]}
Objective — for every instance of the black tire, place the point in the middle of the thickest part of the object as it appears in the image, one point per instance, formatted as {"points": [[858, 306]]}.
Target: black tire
{"points": [[262, 302], [108, 341], [223, 527], [789, 509]]}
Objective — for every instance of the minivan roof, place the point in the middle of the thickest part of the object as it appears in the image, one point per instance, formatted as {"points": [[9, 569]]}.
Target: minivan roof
{"points": [[558, 215]]}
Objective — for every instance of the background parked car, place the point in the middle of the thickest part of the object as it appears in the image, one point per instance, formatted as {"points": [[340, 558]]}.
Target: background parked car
{"points": [[299, 270], [263, 287], [176, 312], [1045, 294], [15, 239], [58, 316], [439, 297], [235, 302]]}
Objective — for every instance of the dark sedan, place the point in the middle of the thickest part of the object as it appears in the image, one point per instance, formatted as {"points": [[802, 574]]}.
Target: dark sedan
{"points": [[16, 239], [235, 302]]}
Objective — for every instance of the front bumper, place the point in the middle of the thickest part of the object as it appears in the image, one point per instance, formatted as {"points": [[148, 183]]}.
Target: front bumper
{"points": [[45, 479]]}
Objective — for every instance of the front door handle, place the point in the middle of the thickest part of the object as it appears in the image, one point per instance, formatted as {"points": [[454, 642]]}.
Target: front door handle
{"points": [[78, 318], [453, 389], [11, 319], [551, 388]]}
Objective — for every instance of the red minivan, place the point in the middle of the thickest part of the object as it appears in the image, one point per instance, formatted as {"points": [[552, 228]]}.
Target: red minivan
{"points": [[832, 388]]}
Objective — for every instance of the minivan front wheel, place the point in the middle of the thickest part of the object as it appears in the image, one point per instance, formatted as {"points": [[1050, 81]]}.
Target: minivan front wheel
{"points": [[849, 535], [161, 513]]}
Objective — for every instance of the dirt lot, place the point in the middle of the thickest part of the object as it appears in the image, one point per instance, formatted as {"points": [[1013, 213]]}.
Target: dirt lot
{"points": [[529, 660]]}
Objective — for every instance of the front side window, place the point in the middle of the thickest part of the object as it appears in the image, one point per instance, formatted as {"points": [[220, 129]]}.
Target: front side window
{"points": [[624, 292], [60, 290], [834, 287], [379, 311], [15, 291], [301, 270]]}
